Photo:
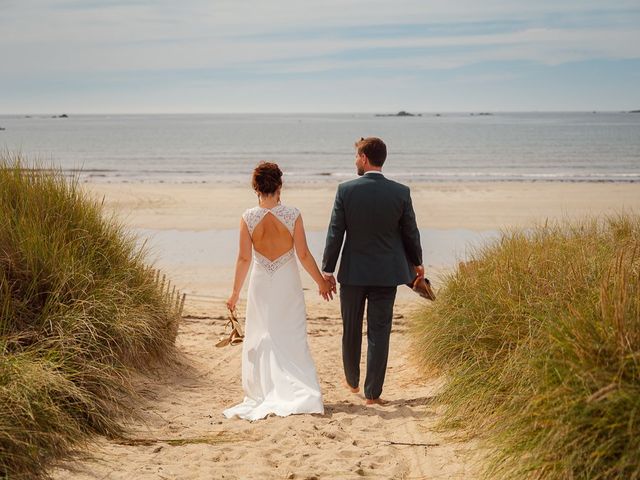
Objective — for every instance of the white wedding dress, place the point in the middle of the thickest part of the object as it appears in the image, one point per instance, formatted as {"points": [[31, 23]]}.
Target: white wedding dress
{"points": [[278, 373]]}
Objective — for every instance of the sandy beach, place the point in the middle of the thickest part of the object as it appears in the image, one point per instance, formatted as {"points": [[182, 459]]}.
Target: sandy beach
{"points": [[475, 206], [184, 436]]}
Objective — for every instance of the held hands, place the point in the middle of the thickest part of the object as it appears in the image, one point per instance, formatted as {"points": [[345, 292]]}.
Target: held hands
{"points": [[326, 289], [332, 280], [420, 271]]}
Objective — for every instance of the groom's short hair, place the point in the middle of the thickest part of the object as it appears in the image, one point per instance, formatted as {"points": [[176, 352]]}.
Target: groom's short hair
{"points": [[374, 149]]}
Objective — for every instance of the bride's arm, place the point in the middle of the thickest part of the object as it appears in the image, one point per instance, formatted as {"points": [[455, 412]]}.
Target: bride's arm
{"points": [[307, 260], [242, 264]]}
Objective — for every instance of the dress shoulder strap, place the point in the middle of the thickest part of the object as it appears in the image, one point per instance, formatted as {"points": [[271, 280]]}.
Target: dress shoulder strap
{"points": [[252, 217], [287, 215]]}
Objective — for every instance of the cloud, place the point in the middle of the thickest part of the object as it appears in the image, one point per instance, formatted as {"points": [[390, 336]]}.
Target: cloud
{"points": [[106, 44], [550, 46], [80, 36]]}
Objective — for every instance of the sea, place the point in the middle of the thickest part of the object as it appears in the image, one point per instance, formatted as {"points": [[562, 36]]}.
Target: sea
{"points": [[319, 148]]}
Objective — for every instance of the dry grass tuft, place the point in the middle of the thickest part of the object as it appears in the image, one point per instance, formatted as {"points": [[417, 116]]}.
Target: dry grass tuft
{"points": [[79, 312], [539, 337]]}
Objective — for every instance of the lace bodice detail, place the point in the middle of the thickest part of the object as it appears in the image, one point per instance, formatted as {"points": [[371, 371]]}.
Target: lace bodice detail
{"points": [[288, 216], [272, 267]]}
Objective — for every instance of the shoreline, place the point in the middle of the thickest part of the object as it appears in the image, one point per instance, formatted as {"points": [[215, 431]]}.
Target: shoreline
{"points": [[333, 179], [329, 179], [475, 206]]}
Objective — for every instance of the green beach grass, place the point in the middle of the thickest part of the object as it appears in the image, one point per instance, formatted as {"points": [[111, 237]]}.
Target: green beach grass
{"points": [[80, 313], [538, 336]]}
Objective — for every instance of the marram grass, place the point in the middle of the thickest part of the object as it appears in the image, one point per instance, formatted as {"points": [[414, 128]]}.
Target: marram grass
{"points": [[539, 338], [80, 312]]}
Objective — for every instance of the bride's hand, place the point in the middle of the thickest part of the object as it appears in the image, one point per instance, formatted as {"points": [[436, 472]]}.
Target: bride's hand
{"points": [[232, 301], [325, 289]]}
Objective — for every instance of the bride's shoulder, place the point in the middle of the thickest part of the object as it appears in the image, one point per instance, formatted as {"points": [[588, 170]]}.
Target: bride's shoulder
{"points": [[288, 215], [251, 210], [289, 211], [252, 215], [290, 208]]}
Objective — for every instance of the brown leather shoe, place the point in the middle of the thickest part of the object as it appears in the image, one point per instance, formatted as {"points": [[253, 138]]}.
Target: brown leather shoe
{"points": [[422, 286]]}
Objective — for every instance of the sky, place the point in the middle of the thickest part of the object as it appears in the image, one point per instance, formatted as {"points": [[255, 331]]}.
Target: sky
{"points": [[223, 56]]}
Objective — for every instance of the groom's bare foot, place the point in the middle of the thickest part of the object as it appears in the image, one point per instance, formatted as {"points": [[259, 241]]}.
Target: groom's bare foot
{"points": [[351, 389], [375, 401]]}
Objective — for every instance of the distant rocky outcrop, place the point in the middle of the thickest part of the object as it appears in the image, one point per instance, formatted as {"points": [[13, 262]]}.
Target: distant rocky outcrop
{"points": [[401, 113], [64, 115], [2, 128], [634, 111], [481, 114]]}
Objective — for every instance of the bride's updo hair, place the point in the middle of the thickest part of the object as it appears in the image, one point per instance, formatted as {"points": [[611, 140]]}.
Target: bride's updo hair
{"points": [[267, 178]]}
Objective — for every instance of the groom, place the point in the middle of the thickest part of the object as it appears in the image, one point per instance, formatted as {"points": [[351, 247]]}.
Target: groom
{"points": [[382, 250]]}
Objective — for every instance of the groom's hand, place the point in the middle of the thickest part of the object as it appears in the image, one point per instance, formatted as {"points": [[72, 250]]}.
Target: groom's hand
{"points": [[325, 289], [332, 280], [420, 271]]}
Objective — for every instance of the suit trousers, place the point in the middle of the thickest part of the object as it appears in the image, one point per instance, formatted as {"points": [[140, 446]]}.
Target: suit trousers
{"points": [[379, 302]]}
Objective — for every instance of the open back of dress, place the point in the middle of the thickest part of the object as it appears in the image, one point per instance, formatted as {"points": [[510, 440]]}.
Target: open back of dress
{"points": [[271, 237], [272, 245]]}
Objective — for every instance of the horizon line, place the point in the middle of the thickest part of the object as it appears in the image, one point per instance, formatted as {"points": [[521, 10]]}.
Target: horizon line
{"points": [[373, 112]]}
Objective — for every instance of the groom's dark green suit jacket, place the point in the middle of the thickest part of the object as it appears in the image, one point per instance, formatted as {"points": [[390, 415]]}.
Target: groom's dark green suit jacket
{"points": [[382, 238]]}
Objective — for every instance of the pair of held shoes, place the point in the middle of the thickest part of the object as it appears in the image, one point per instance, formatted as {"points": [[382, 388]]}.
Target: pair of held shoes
{"points": [[236, 336], [422, 286]]}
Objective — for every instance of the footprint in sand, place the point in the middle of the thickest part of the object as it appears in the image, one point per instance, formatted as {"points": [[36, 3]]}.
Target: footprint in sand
{"points": [[350, 453], [345, 421]]}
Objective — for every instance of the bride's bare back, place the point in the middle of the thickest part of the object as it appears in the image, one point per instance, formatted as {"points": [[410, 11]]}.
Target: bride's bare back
{"points": [[271, 238]]}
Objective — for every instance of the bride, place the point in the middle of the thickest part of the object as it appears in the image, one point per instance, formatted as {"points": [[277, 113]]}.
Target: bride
{"points": [[278, 373]]}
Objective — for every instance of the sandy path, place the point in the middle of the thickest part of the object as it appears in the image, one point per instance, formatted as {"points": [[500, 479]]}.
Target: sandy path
{"points": [[349, 441]]}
